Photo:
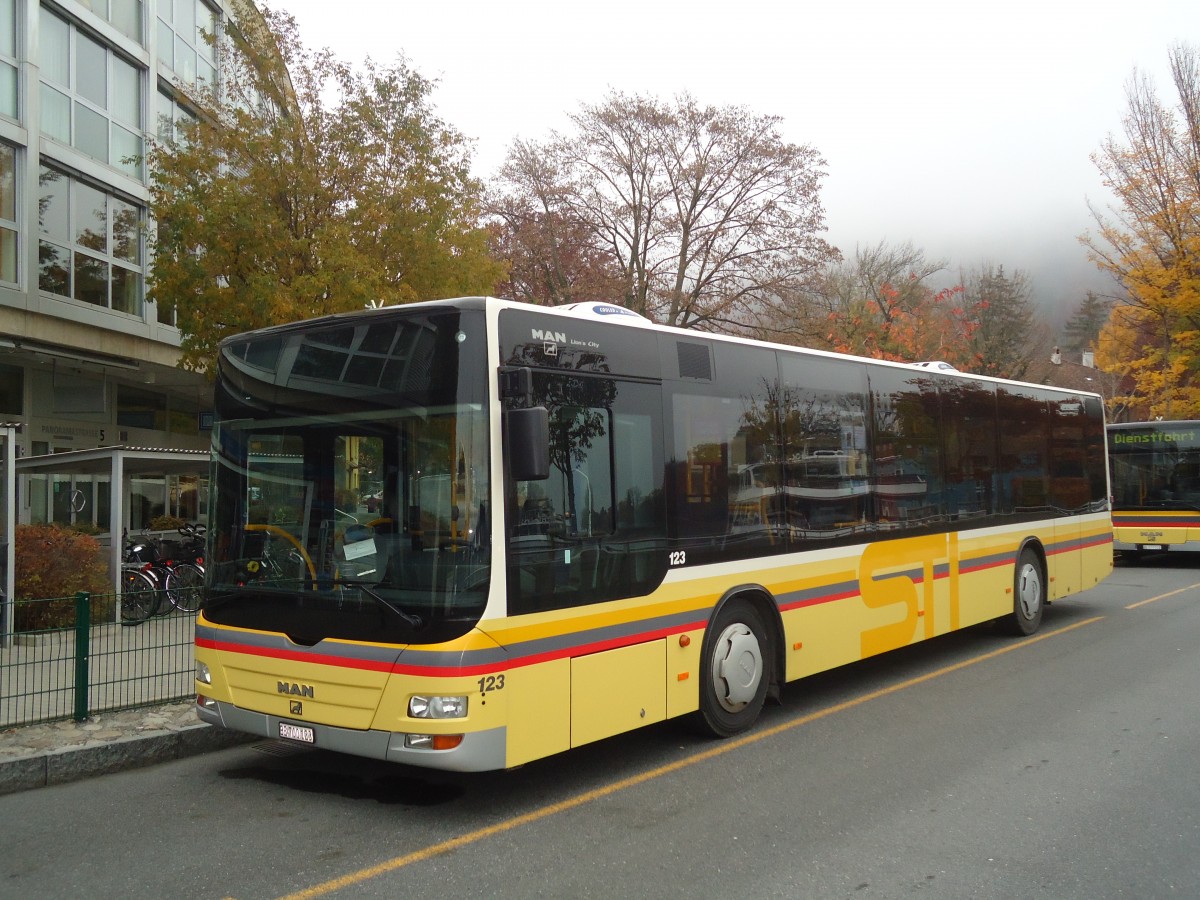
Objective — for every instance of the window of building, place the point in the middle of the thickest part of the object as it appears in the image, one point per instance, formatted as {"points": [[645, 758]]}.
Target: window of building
{"points": [[91, 97], [8, 58], [91, 245], [8, 213], [12, 390], [137, 408], [169, 116], [183, 417], [124, 15], [185, 40], [169, 113]]}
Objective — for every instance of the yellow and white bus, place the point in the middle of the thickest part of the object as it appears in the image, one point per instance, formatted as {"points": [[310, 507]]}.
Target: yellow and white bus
{"points": [[472, 533], [1156, 486]]}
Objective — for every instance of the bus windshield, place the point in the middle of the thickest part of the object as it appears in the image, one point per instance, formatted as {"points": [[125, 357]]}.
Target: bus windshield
{"points": [[1155, 465], [350, 480]]}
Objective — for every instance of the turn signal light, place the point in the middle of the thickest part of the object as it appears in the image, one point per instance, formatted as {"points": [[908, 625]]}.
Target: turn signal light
{"points": [[432, 741]]}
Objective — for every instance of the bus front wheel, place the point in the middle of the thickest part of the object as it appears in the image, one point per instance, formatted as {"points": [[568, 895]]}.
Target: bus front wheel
{"points": [[1029, 595], [734, 670]]}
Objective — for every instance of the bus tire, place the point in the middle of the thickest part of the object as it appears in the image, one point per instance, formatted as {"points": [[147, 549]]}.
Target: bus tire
{"points": [[734, 669], [1029, 594]]}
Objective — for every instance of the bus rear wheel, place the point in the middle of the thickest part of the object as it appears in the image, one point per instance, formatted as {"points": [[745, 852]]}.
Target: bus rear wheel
{"points": [[1029, 595], [734, 670]]}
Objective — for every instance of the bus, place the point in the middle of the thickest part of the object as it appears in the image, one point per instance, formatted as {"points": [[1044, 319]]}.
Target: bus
{"points": [[1155, 470], [468, 534]]}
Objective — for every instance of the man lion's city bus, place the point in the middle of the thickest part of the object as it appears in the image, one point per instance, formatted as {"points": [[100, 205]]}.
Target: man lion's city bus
{"points": [[472, 533], [1156, 486]]}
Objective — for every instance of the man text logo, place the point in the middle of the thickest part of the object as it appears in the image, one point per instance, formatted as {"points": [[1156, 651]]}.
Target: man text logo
{"points": [[295, 690]]}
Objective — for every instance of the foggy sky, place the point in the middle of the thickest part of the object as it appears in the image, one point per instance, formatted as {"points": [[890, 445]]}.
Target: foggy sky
{"points": [[964, 131]]}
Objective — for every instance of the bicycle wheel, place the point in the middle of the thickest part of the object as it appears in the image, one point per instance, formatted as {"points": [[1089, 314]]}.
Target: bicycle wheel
{"points": [[183, 586], [139, 596], [159, 575]]}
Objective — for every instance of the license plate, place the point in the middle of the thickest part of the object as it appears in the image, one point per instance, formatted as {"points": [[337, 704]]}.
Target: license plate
{"points": [[296, 733], [1151, 546]]}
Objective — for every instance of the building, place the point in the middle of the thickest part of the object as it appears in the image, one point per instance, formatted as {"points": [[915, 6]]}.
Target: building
{"points": [[86, 361], [1078, 372]]}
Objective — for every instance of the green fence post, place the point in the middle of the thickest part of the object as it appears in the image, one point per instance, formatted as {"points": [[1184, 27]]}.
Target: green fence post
{"points": [[83, 627]]}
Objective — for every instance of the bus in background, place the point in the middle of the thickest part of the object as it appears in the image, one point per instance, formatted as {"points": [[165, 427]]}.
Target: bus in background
{"points": [[1155, 486], [472, 533]]}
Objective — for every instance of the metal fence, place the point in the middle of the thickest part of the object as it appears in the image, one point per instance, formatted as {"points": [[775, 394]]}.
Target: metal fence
{"points": [[71, 657]]}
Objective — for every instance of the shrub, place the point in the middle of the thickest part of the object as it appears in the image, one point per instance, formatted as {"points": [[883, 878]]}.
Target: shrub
{"points": [[166, 523], [48, 615], [54, 561]]}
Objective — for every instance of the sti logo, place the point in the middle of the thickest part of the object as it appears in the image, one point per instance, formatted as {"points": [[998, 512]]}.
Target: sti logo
{"points": [[550, 340]]}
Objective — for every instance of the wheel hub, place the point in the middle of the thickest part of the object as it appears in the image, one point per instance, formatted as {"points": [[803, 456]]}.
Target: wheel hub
{"points": [[737, 667], [1029, 594]]}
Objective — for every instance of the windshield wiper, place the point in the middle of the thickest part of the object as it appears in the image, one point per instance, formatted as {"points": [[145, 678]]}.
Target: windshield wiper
{"points": [[216, 600], [409, 618], [226, 593]]}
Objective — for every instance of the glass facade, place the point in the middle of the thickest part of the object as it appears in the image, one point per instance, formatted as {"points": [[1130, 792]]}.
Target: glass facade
{"points": [[8, 58], [8, 213], [91, 96], [186, 29], [12, 391], [98, 101], [124, 15], [170, 114], [85, 85], [91, 243]]}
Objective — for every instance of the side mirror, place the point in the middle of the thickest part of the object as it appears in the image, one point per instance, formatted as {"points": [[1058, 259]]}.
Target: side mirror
{"points": [[527, 434]]}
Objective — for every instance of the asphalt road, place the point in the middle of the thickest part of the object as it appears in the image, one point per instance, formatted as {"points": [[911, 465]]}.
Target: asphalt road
{"points": [[978, 765]]}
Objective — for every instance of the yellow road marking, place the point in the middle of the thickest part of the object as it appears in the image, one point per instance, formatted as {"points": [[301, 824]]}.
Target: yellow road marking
{"points": [[1163, 596], [724, 747]]}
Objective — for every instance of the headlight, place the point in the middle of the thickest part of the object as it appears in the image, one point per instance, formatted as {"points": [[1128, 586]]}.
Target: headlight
{"points": [[437, 707], [203, 675]]}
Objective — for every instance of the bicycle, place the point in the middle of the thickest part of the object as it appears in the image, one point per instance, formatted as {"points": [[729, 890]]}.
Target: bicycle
{"points": [[185, 571], [146, 557], [140, 594], [184, 581]]}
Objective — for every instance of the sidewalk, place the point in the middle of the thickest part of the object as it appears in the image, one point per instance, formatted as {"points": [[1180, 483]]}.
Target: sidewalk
{"points": [[33, 756]]}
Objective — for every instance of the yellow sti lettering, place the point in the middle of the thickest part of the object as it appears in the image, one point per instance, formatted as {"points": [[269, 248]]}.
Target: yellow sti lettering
{"points": [[902, 574]]}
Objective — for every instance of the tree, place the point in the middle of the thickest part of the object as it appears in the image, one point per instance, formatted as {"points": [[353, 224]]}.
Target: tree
{"points": [[1083, 328], [704, 216], [1151, 242], [552, 259], [273, 207], [1007, 335], [882, 304], [1154, 375]]}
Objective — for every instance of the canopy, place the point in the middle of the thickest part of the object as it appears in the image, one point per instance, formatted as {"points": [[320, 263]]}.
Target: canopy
{"points": [[8, 455], [121, 464]]}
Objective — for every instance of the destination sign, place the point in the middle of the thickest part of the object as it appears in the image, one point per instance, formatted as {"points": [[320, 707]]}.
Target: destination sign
{"points": [[1152, 437]]}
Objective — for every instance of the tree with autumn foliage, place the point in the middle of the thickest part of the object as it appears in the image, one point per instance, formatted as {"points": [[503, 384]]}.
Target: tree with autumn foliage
{"points": [[692, 215], [272, 206], [551, 255], [1150, 243], [1152, 360], [882, 304]]}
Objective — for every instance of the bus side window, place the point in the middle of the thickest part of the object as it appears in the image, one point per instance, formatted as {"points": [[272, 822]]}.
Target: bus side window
{"points": [[580, 535]]}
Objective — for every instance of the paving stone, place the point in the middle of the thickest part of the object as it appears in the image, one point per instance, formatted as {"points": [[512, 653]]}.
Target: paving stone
{"points": [[33, 756]]}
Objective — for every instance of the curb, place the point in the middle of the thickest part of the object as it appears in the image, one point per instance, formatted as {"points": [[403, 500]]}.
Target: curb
{"points": [[146, 749]]}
